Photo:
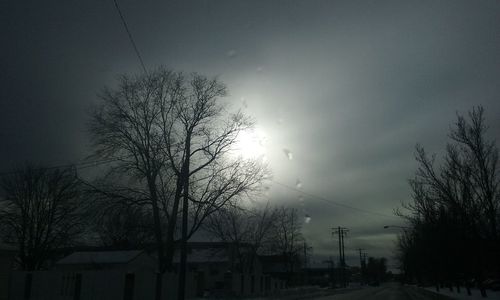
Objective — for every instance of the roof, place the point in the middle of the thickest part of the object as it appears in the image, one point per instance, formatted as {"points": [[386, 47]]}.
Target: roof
{"points": [[100, 257], [215, 244], [8, 247], [278, 258], [204, 255], [273, 263]]}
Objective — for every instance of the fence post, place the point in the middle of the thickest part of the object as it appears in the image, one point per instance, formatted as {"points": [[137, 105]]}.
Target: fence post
{"points": [[78, 286], [28, 282]]}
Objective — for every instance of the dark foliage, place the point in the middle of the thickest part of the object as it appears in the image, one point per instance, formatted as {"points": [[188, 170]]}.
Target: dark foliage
{"points": [[40, 211], [454, 233]]}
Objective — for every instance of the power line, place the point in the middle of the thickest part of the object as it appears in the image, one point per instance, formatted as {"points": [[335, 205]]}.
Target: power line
{"points": [[79, 165], [130, 36], [332, 202], [95, 163]]}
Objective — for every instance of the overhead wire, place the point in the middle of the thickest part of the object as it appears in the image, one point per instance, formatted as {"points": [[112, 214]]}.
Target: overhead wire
{"points": [[95, 163], [79, 165], [130, 36], [332, 202], [89, 164]]}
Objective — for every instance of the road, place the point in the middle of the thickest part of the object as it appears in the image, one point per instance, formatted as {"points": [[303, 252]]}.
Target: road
{"points": [[390, 291]]}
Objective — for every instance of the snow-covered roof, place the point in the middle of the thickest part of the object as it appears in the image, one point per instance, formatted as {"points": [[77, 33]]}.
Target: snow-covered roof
{"points": [[100, 257]]}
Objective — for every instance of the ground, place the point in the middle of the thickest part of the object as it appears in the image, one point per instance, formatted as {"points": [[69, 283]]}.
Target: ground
{"points": [[390, 291]]}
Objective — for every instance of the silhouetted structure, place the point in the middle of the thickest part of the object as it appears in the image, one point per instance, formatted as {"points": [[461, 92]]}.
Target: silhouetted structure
{"points": [[118, 274]]}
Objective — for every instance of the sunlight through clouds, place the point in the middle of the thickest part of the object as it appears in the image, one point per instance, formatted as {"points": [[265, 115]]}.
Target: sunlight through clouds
{"points": [[251, 144]]}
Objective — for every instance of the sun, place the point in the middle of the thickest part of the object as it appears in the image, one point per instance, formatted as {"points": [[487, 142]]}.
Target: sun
{"points": [[251, 144]]}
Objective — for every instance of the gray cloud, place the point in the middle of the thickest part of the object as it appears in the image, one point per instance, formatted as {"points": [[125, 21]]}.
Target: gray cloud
{"points": [[348, 86]]}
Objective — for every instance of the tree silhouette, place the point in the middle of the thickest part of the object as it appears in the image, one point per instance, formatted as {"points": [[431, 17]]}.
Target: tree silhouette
{"points": [[455, 209], [171, 139], [287, 239], [123, 226], [40, 211], [249, 230]]}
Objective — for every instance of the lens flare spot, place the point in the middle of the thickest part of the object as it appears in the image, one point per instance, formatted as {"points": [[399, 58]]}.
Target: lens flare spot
{"points": [[307, 219], [298, 184], [288, 153]]}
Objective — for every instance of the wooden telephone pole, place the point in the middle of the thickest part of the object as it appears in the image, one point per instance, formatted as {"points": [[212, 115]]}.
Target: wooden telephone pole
{"points": [[341, 232]]}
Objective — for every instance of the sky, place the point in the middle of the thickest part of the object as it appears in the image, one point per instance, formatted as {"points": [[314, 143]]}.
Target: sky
{"points": [[346, 89]]}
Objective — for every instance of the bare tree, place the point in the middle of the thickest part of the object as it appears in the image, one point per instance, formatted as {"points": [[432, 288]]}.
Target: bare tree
{"points": [[40, 211], [456, 206], [249, 230], [123, 226], [287, 238], [171, 136], [474, 159]]}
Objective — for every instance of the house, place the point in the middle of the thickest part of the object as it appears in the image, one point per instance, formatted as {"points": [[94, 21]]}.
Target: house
{"points": [[218, 270], [320, 274], [126, 260], [212, 268], [7, 264], [281, 267], [126, 275]]}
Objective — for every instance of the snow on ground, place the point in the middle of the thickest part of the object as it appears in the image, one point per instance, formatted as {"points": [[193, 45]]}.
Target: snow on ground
{"points": [[475, 293]]}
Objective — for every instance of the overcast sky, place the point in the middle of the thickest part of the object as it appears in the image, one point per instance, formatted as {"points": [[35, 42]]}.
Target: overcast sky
{"points": [[347, 87]]}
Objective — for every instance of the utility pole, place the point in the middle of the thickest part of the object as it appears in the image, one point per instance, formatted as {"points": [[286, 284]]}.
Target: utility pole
{"points": [[306, 271], [364, 263], [341, 231], [331, 264], [361, 266], [360, 257]]}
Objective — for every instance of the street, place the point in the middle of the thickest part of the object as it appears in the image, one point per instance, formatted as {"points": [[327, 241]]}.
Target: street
{"points": [[390, 291]]}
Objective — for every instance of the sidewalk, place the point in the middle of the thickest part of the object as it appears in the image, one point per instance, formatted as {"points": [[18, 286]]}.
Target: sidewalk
{"points": [[303, 294], [475, 293]]}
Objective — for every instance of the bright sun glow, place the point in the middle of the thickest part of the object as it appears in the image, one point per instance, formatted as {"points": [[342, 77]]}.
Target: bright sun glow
{"points": [[251, 144]]}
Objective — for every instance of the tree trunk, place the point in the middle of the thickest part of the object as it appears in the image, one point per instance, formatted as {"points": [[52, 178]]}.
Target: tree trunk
{"points": [[185, 202], [170, 244], [158, 237]]}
